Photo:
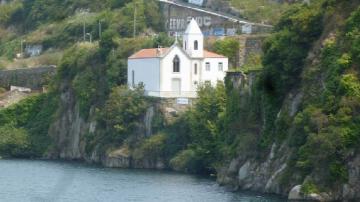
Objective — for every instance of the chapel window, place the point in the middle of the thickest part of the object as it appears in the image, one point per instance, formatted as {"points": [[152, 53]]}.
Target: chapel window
{"points": [[196, 45], [176, 64]]}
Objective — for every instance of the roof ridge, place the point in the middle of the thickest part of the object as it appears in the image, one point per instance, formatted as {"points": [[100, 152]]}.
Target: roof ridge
{"points": [[153, 53]]}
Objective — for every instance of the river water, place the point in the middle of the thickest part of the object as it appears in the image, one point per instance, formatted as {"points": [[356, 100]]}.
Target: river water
{"points": [[48, 181]]}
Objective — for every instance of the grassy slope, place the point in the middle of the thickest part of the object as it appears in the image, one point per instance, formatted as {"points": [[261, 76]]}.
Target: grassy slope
{"points": [[260, 10]]}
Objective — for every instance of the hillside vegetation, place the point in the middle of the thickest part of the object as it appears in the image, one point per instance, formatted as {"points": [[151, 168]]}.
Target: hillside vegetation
{"points": [[57, 25], [295, 123], [266, 11]]}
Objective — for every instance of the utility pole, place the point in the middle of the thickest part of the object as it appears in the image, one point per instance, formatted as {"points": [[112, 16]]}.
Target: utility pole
{"points": [[134, 19]]}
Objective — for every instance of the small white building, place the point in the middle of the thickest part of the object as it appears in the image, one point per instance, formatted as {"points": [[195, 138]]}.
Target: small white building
{"points": [[177, 71]]}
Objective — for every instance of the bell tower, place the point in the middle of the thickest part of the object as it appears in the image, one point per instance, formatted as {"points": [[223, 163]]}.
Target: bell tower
{"points": [[193, 40]]}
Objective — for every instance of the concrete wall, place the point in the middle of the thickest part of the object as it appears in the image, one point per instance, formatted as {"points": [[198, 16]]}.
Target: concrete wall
{"points": [[34, 78], [249, 44], [177, 18]]}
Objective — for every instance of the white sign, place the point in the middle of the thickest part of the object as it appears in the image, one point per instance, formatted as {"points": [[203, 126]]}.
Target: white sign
{"points": [[197, 2], [182, 101]]}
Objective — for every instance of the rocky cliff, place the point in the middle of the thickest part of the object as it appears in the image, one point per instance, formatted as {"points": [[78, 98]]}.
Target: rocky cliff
{"points": [[296, 132], [278, 169]]}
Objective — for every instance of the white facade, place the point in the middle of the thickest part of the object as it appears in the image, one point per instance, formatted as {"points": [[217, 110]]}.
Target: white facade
{"points": [[177, 71], [137, 74]]}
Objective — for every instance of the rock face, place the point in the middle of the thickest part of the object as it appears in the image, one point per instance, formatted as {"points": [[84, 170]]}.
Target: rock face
{"points": [[266, 174], [117, 159], [351, 189], [69, 131], [122, 158], [262, 176]]}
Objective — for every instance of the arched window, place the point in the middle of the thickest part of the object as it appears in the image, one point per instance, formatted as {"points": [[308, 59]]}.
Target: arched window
{"points": [[176, 64], [195, 69], [196, 45]]}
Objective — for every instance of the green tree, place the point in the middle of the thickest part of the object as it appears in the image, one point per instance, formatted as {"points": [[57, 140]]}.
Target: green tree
{"points": [[123, 111], [228, 47], [13, 142]]}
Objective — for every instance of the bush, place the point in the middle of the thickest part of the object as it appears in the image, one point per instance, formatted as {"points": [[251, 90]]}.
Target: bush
{"points": [[152, 147], [14, 142], [32, 116], [122, 112], [228, 47], [353, 35], [309, 188], [185, 161], [2, 90], [8, 11]]}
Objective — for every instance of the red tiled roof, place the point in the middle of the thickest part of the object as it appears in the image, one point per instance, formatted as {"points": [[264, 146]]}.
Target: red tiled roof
{"points": [[149, 53], [208, 54], [155, 52]]}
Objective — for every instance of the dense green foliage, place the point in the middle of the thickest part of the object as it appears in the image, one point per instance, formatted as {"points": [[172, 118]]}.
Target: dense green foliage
{"points": [[331, 122], [260, 10], [59, 24], [228, 47], [121, 118], [24, 126], [204, 121], [123, 111], [323, 135], [211, 130], [13, 141], [284, 56]]}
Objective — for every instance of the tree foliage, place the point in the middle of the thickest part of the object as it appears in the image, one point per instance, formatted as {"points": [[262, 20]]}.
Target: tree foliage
{"points": [[123, 111]]}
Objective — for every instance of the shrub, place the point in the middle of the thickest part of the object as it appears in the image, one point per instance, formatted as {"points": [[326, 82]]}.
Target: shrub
{"points": [[8, 11], [185, 161], [33, 116], [228, 47], [152, 147], [14, 142], [2, 90], [309, 188], [122, 112]]}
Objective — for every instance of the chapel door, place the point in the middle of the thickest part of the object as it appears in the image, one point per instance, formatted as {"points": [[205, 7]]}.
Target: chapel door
{"points": [[176, 86]]}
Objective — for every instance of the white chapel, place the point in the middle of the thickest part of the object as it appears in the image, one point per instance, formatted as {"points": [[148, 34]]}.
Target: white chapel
{"points": [[177, 71]]}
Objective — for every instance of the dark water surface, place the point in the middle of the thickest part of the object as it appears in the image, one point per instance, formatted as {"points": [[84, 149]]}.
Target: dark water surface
{"points": [[38, 181]]}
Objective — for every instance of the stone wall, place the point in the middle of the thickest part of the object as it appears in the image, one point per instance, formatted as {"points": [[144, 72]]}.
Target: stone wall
{"points": [[34, 78], [250, 44]]}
